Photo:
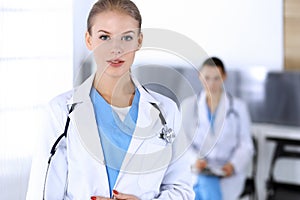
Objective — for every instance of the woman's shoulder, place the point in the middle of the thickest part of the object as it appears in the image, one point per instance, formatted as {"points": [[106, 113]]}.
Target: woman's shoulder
{"points": [[61, 101], [163, 100], [238, 101], [240, 105]]}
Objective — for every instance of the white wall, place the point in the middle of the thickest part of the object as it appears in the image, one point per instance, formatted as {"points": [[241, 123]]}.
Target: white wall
{"points": [[80, 13], [244, 33]]}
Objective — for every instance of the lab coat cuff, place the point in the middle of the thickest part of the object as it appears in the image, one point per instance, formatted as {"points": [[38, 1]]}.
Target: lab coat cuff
{"points": [[236, 166]]}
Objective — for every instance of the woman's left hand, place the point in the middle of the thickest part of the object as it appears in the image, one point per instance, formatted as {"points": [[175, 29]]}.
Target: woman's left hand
{"points": [[118, 196], [228, 169]]}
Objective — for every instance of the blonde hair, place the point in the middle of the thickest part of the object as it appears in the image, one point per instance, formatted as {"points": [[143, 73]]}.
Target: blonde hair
{"points": [[123, 6]]}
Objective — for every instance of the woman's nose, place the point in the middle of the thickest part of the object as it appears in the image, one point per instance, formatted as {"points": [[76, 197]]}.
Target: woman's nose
{"points": [[116, 48], [116, 51], [209, 82]]}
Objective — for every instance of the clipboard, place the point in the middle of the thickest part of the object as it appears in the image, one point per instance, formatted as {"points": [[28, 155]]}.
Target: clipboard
{"points": [[213, 171]]}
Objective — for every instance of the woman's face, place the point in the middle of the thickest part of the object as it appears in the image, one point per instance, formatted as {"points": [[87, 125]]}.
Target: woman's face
{"points": [[212, 79], [114, 39]]}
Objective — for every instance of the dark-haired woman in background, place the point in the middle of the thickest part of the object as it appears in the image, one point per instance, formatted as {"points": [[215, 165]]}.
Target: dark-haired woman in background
{"points": [[222, 145]]}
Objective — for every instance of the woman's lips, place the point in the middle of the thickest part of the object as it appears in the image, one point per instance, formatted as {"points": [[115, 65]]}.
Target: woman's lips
{"points": [[116, 63]]}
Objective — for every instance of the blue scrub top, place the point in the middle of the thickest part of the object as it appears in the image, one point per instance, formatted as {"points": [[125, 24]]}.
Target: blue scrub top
{"points": [[115, 135], [211, 118]]}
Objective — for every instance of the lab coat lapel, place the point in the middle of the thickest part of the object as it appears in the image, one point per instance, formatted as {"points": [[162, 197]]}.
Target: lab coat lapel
{"points": [[211, 136], [221, 115], [84, 118], [205, 134], [202, 110], [147, 128], [85, 123]]}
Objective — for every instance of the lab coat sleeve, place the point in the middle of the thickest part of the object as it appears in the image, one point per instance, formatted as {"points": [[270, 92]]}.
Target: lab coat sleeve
{"points": [[54, 119], [243, 153], [177, 182]]}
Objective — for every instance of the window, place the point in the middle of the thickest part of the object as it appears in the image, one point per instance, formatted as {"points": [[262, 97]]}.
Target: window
{"points": [[36, 47]]}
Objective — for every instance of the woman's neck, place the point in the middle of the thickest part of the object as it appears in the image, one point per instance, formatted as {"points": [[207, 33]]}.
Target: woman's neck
{"points": [[213, 100], [117, 91]]}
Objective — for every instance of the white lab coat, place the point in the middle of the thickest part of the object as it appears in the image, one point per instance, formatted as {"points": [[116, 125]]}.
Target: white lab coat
{"points": [[152, 169], [231, 141]]}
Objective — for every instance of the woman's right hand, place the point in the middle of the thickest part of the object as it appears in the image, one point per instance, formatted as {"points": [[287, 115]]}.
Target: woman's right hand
{"points": [[200, 164], [99, 198]]}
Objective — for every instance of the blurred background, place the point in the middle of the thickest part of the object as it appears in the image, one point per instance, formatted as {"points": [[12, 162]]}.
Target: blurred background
{"points": [[42, 54]]}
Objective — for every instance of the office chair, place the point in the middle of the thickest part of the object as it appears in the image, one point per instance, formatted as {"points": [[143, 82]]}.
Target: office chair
{"points": [[250, 186], [277, 190]]}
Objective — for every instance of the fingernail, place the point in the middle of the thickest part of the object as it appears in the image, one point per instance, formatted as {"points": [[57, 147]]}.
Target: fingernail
{"points": [[93, 198], [115, 192]]}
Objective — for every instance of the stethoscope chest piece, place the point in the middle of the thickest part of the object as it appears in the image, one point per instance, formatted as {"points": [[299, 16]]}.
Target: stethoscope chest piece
{"points": [[167, 134]]}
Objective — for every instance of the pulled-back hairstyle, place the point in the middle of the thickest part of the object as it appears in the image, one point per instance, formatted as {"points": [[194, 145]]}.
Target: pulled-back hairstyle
{"points": [[215, 62], [122, 6]]}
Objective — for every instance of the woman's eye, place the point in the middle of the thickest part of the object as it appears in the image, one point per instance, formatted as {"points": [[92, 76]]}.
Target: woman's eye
{"points": [[217, 79], [127, 38], [104, 37]]}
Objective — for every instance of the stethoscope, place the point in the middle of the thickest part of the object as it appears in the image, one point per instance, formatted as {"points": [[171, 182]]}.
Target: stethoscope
{"points": [[54, 148], [167, 134], [231, 110]]}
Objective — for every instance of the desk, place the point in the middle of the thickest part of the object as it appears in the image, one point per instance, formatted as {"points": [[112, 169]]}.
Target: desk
{"points": [[282, 151], [265, 152]]}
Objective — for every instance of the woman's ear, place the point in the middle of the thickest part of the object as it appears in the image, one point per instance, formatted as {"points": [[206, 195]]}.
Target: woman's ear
{"points": [[140, 41], [224, 77], [88, 41]]}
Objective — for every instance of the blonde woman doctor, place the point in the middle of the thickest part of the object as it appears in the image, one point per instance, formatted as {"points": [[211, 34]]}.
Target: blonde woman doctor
{"points": [[222, 140], [122, 140]]}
